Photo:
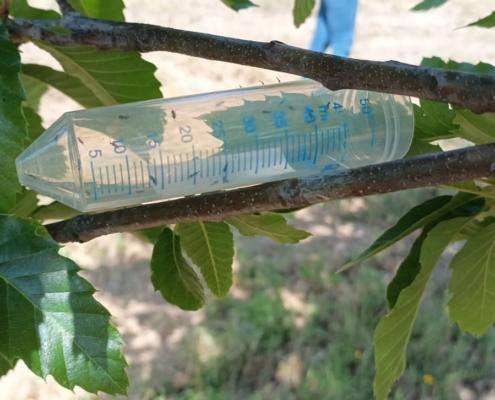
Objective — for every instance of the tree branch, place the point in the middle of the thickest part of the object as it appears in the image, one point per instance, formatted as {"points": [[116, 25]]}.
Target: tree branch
{"points": [[426, 170], [476, 92]]}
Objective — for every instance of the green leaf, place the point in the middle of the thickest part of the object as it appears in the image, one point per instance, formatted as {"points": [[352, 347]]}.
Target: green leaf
{"points": [[62, 81], [409, 268], [417, 217], [210, 246], [54, 210], [302, 10], [407, 271], [486, 22], [427, 4], [13, 131], [5, 365], [472, 285], [432, 121], [150, 235], [270, 225], [26, 204], [22, 9], [50, 319], [113, 76], [477, 128], [394, 330], [172, 275], [112, 10], [238, 4], [34, 125], [35, 90], [480, 68]]}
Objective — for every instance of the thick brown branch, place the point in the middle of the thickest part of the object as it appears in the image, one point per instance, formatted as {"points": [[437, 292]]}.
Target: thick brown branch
{"points": [[427, 170], [466, 90]]}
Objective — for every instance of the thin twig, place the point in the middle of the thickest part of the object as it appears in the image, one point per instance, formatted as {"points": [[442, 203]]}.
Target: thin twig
{"points": [[476, 92], [65, 7], [426, 170]]}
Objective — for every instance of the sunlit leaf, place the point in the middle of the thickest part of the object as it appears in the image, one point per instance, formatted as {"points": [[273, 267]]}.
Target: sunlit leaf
{"points": [[22, 9], [417, 217], [112, 76], [394, 330], [50, 319], [432, 121], [302, 10], [486, 22], [62, 81], [35, 90], [13, 129], [112, 10], [477, 128], [428, 4], [210, 246], [238, 4], [271, 225], [172, 275], [54, 211], [414, 219], [472, 285], [409, 268]]}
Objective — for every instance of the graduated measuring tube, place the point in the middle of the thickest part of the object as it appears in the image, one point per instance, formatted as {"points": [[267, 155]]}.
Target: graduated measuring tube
{"points": [[125, 155]]}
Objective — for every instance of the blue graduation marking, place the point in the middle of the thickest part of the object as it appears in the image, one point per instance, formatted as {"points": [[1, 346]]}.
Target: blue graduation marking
{"points": [[257, 155], [95, 196], [108, 179], [162, 181], [175, 168], [114, 178], [169, 171], [142, 173], [181, 168], [286, 139], [207, 164], [121, 177], [315, 157], [128, 175], [136, 183]]}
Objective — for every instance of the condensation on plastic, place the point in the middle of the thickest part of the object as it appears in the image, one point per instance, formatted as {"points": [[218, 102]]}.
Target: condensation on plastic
{"points": [[111, 157]]}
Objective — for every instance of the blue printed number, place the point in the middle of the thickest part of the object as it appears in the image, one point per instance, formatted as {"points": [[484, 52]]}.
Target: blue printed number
{"points": [[337, 107], [153, 139], [249, 122], [279, 119], [309, 115], [365, 106], [218, 129], [324, 113]]}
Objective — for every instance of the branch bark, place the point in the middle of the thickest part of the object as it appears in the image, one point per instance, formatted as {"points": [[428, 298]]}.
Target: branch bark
{"points": [[476, 92], [414, 172]]}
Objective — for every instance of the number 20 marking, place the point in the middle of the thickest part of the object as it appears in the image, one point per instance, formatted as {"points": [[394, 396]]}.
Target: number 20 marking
{"points": [[185, 134]]}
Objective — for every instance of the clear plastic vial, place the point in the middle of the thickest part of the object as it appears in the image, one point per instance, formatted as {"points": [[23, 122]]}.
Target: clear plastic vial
{"points": [[125, 155]]}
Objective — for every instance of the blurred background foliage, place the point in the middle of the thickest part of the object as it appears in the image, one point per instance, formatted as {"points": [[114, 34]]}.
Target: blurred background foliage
{"points": [[294, 329]]}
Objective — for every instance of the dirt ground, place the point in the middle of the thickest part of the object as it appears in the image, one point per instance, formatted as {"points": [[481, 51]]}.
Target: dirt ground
{"points": [[117, 264]]}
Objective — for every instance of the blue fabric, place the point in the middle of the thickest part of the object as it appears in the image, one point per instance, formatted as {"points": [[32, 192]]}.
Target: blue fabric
{"points": [[335, 26]]}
